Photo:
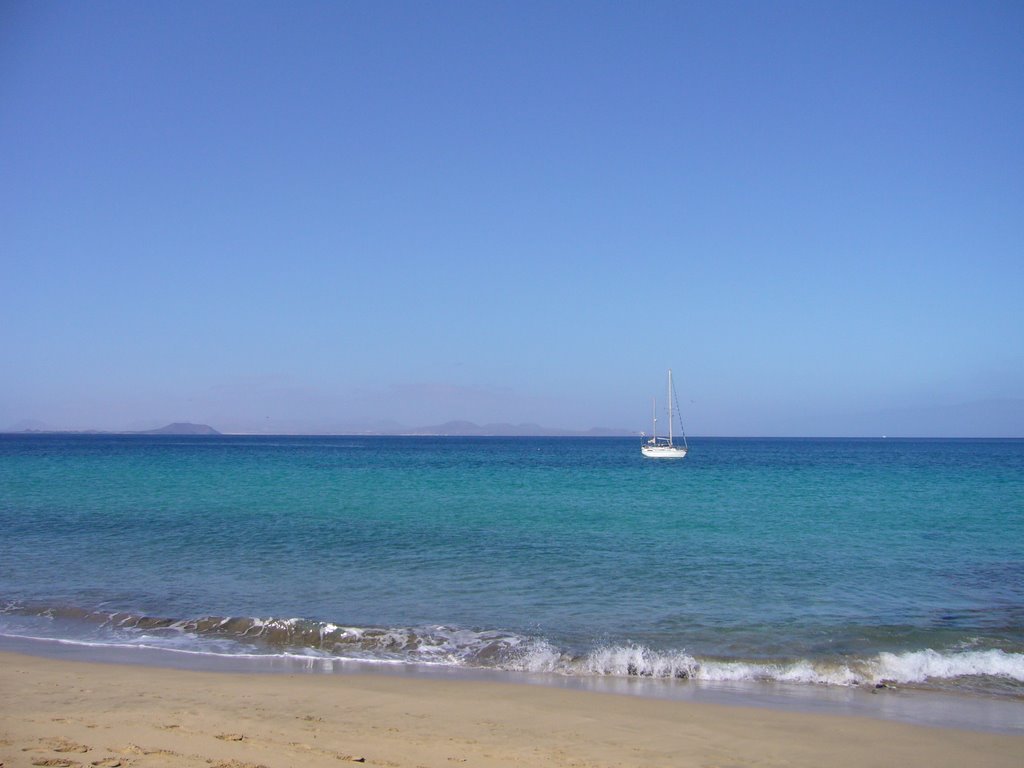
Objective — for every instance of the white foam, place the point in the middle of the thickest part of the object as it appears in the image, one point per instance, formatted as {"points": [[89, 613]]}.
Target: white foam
{"points": [[637, 660], [801, 671], [921, 666], [536, 656], [908, 667]]}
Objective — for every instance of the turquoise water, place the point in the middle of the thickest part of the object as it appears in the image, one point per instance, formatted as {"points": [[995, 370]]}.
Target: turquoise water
{"points": [[809, 561]]}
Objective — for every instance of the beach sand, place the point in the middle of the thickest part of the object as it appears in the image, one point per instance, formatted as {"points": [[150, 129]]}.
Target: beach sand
{"points": [[70, 713]]}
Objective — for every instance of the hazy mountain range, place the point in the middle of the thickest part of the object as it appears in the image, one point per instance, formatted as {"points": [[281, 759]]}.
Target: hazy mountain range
{"points": [[997, 417], [450, 428], [177, 428], [468, 428]]}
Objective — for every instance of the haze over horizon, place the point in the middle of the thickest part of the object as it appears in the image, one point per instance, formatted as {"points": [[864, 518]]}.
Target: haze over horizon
{"points": [[295, 218]]}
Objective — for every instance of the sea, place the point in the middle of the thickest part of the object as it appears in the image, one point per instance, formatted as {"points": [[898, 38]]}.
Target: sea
{"points": [[811, 566]]}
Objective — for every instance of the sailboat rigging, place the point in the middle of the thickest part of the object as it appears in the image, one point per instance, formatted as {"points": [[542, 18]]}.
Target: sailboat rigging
{"points": [[664, 447]]}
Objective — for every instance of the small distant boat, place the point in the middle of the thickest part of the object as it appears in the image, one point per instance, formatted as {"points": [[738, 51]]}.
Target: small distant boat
{"points": [[663, 447]]}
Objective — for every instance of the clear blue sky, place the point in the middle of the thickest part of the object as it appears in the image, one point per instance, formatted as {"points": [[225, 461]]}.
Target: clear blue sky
{"points": [[299, 216]]}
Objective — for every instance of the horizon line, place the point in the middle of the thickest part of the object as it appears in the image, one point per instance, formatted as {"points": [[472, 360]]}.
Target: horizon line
{"points": [[582, 434]]}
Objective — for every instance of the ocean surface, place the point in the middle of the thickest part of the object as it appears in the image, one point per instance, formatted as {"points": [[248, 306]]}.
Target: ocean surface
{"points": [[809, 562]]}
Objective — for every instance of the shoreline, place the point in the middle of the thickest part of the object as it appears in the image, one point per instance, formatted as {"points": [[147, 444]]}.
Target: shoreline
{"points": [[902, 704], [90, 713]]}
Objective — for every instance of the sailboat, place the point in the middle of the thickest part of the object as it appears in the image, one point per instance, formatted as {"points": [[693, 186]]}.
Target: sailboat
{"points": [[663, 447]]}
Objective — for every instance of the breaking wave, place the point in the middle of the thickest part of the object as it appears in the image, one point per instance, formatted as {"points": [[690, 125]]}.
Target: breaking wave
{"points": [[496, 649], [912, 667]]}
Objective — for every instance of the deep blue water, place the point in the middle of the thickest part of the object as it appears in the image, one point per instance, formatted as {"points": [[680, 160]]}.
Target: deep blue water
{"points": [[816, 561]]}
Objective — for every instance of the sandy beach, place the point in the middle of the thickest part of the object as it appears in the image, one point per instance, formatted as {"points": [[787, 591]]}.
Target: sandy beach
{"points": [[69, 713]]}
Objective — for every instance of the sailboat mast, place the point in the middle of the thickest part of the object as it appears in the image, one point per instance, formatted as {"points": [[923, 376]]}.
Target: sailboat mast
{"points": [[670, 406]]}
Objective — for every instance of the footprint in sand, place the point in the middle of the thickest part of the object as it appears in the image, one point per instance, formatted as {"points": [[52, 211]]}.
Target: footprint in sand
{"points": [[135, 749], [56, 745], [63, 745]]}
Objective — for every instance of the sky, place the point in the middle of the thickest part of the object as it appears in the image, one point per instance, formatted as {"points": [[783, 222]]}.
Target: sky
{"points": [[316, 217]]}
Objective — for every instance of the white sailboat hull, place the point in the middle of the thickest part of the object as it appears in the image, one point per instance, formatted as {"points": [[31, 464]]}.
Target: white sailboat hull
{"points": [[663, 452], [663, 447]]}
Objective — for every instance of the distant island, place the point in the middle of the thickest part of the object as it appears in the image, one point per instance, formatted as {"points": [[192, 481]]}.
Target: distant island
{"points": [[447, 429], [469, 429], [177, 428], [181, 428]]}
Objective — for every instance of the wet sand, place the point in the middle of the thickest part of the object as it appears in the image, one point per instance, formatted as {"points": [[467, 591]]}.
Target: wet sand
{"points": [[70, 713]]}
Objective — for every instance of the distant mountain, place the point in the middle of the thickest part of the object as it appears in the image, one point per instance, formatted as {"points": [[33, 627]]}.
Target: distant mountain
{"points": [[470, 429], [181, 428], [449, 428], [29, 425]]}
